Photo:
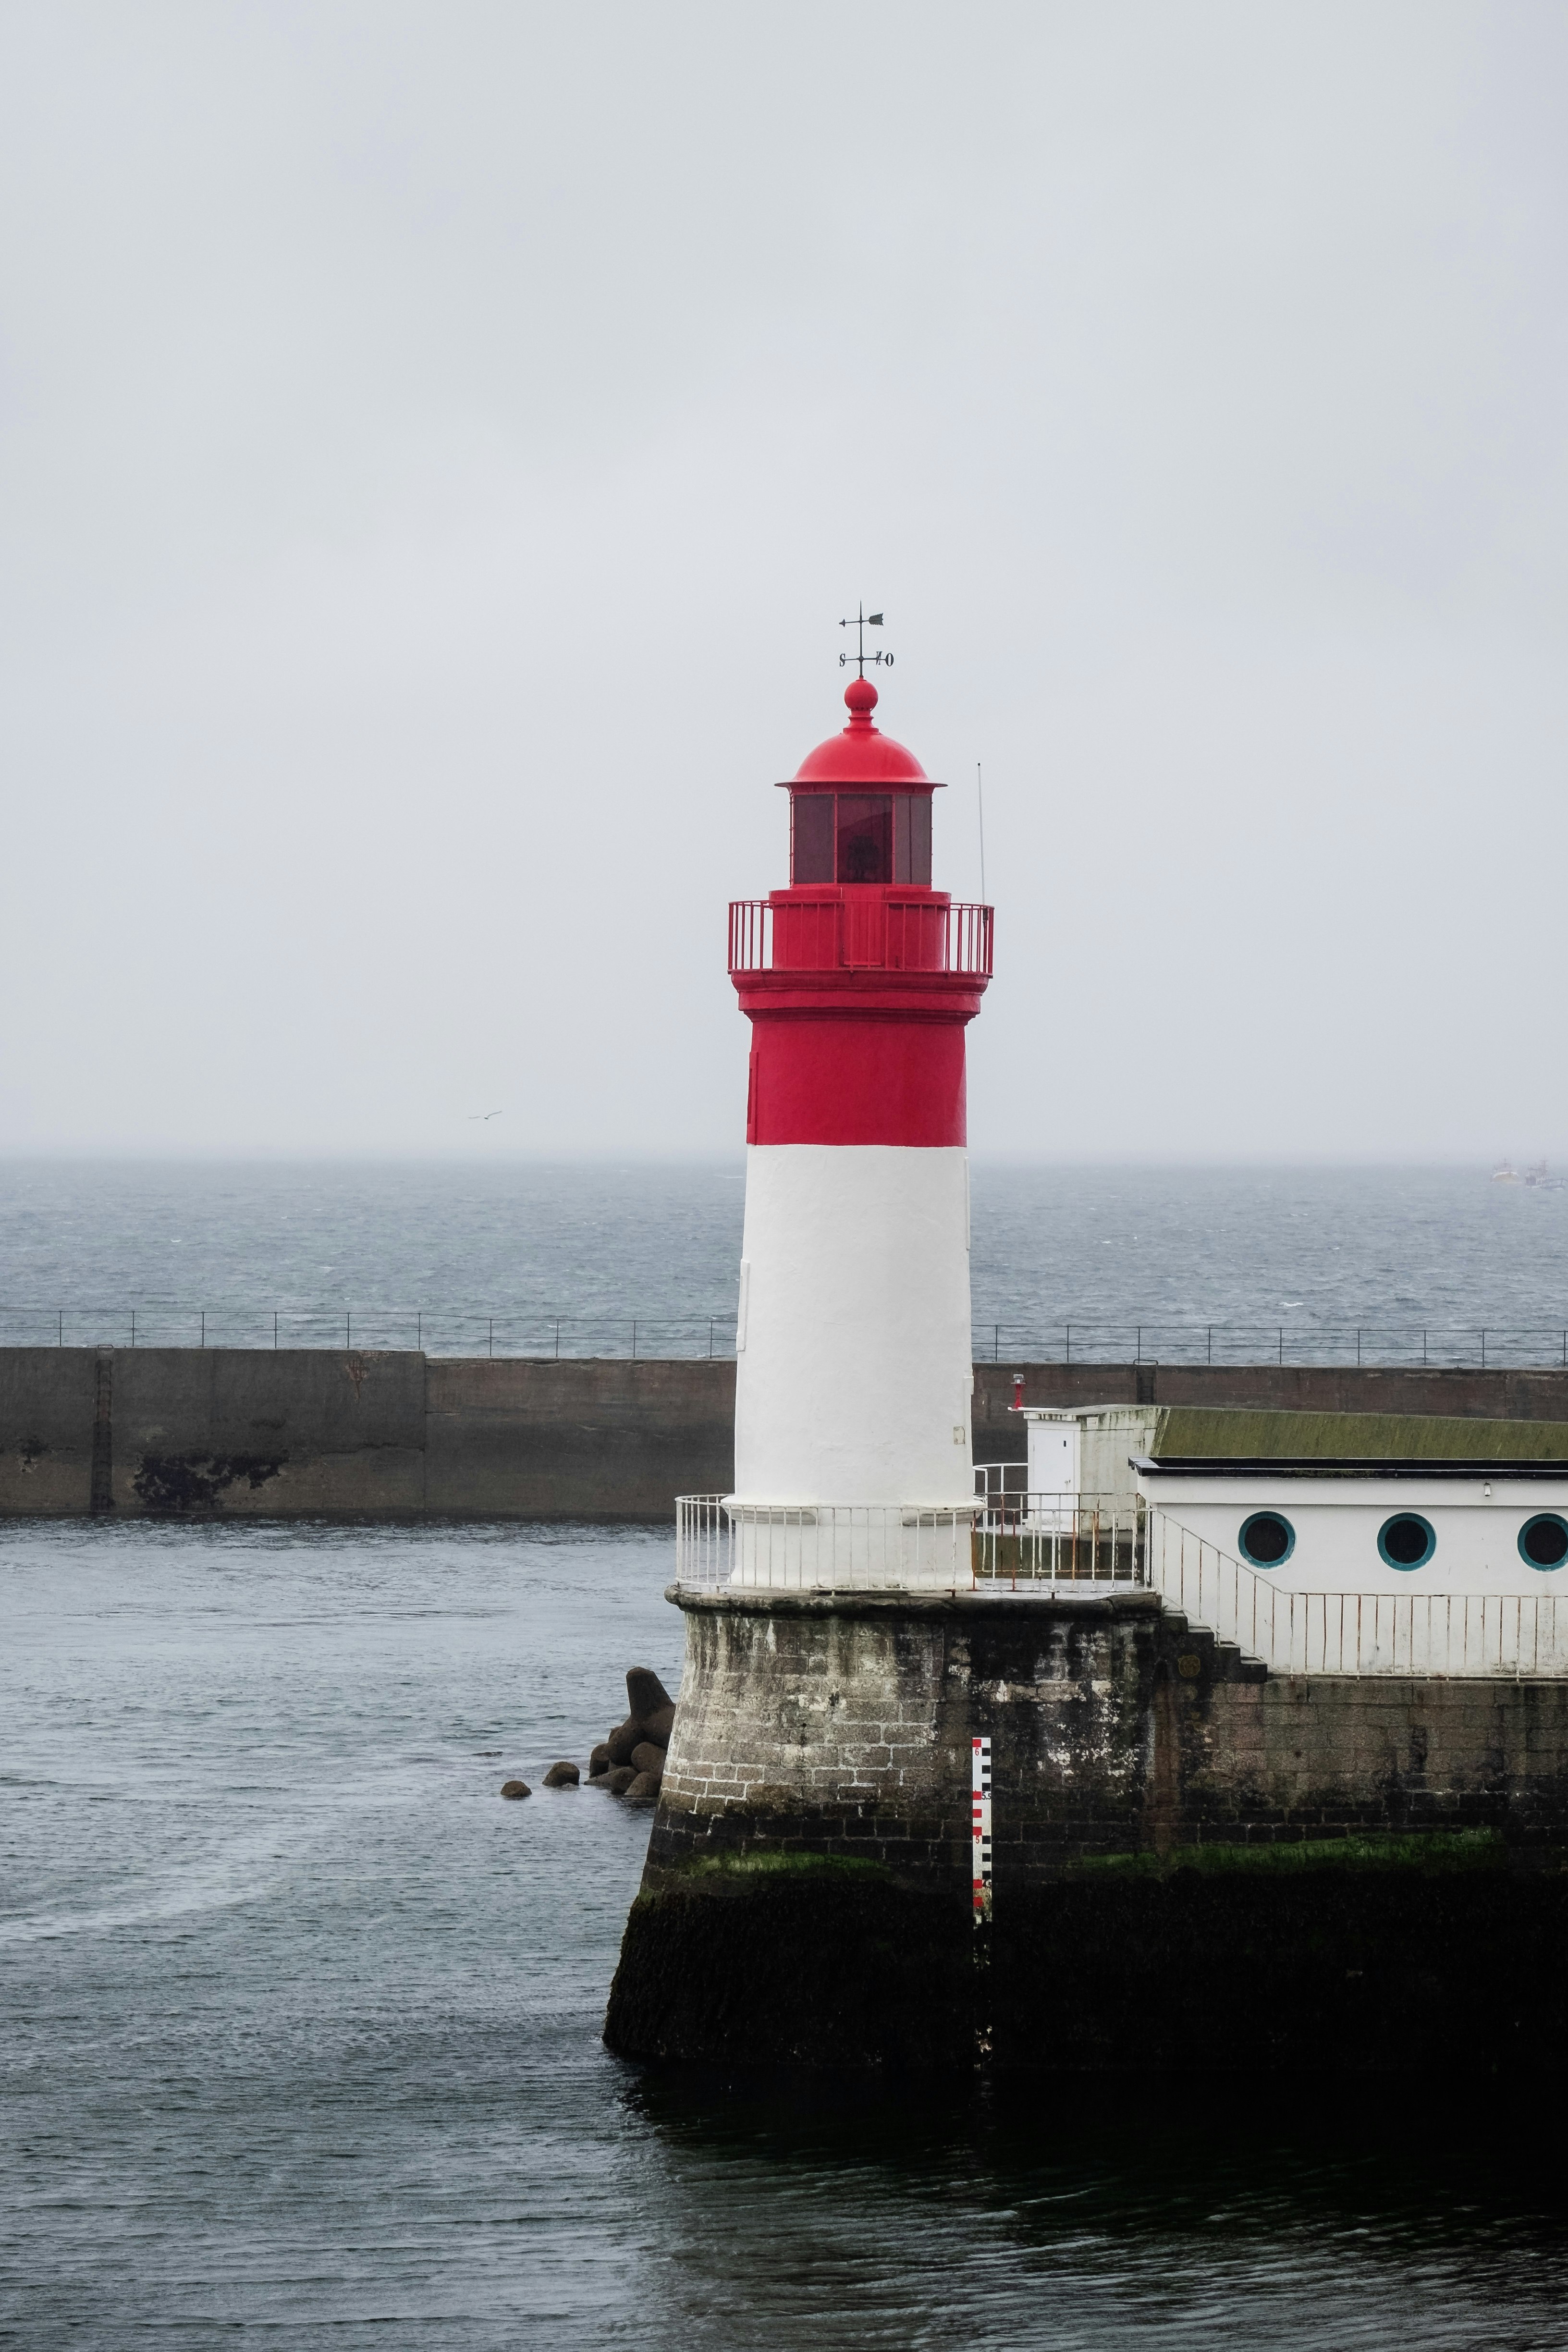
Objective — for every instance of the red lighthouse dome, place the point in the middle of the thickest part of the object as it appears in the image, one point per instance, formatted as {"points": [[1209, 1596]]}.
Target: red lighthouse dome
{"points": [[860, 753]]}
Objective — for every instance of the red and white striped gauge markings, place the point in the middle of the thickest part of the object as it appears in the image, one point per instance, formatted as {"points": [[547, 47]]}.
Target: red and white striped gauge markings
{"points": [[980, 1784]]}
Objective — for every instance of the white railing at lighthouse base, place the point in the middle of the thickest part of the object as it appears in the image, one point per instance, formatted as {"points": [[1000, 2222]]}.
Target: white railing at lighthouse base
{"points": [[1050, 1545], [835, 1546], [982, 1546]]}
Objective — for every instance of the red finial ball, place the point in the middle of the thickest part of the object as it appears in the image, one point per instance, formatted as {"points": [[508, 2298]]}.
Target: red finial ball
{"points": [[860, 695]]}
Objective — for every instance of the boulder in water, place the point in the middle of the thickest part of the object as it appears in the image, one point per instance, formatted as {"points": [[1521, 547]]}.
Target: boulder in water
{"points": [[515, 1789], [619, 1780], [642, 1789], [622, 1739], [650, 1705], [600, 1760], [562, 1776]]}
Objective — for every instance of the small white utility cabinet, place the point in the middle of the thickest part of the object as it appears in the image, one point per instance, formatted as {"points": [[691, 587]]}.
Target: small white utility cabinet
{"points": [[1080, 1457]]}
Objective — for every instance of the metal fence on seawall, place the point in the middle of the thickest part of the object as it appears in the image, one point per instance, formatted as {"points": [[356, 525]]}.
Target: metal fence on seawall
{"points": [[535, 1332], [1019, 1543], [1446, 1346], [460, 1331]]}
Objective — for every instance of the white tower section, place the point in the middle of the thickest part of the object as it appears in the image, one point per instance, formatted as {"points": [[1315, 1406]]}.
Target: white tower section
{"points": [[854, 1367]]}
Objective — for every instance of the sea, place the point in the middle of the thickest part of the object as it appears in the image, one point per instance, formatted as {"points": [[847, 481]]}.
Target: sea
{"points": [[1239, 1264], [301, 2019]]}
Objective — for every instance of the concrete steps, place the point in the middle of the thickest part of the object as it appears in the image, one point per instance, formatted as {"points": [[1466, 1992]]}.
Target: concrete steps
{"points": [[1223, 1662]]}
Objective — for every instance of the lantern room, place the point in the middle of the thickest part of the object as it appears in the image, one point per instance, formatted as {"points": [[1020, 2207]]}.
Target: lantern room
{"points": [[860, 806]]}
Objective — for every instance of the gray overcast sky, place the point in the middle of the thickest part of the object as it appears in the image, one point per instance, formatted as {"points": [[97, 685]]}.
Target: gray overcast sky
{"points": [[437, 442]]}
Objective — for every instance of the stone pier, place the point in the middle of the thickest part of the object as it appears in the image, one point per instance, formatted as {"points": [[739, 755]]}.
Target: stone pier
{"points": [[1196, 1863]]}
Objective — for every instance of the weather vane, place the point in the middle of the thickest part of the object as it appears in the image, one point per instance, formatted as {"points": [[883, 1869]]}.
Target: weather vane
{"points": [[862, 622]]}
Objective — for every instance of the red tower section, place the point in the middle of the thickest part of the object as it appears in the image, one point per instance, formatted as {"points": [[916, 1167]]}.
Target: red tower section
{"points": [[859, 978]]}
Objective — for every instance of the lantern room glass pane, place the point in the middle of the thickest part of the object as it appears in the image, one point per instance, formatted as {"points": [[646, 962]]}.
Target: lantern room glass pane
{"points": [[811, 837], [911, 838], [865, 837]]}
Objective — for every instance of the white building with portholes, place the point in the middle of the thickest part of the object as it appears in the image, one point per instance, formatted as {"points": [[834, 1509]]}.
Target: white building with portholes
{"points": [[1331, 1542], [1323, 1502]]}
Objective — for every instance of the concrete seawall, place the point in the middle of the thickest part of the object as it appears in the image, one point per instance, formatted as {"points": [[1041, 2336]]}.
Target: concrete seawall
{"points": [[316, 1433]]}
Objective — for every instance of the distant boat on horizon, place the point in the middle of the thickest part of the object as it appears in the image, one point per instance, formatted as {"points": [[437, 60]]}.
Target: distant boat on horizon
{"points": [[1537, 1174]]}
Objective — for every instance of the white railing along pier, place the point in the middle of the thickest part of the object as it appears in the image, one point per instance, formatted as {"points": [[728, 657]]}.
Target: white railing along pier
{"points": [[1037, 1543]]}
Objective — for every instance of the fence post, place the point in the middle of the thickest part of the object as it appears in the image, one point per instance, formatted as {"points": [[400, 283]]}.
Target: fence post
{"points": [[558, 1338], [61, 1338], [709, 1335], [1138, 1353], [1282, 1346], [996, 1344], [348, 1330], [1358, 1343], [419, 1332], [133, 1326], [1069, 1329], [1423, 1349], [491, 1337], [1483, 1346], [204, 1337]]}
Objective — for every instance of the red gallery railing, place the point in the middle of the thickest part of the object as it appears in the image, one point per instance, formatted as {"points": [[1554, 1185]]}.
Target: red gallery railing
{"points": [[869, 933]]}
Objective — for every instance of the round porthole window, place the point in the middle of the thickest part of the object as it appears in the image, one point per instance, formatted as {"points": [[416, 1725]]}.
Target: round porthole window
{"points": [[1544, 1540], [1408, 1540], [1265, 1539]]}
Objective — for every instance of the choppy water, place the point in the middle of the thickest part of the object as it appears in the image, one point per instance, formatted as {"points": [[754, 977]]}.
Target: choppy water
{"points": [[516, 1256], [302, 2027]]}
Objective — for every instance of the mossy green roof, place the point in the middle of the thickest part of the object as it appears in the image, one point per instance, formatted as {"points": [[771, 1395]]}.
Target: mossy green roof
{"points": [[1220, 1433]]}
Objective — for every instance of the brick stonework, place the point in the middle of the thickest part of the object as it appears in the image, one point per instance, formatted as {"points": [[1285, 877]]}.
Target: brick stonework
{"points": [[811, 1724]]}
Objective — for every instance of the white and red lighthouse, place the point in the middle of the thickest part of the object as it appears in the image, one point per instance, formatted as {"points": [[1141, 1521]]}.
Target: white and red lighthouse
{"points": [[852, 1409]]}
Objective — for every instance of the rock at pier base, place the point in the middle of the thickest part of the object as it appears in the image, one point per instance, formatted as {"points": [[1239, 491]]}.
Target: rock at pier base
{"points": [[650, 1705], [622, 1740], [562, 1776]]}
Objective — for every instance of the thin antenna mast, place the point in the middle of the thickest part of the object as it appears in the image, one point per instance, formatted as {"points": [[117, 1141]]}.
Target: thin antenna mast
{"points": [[980, 804]]}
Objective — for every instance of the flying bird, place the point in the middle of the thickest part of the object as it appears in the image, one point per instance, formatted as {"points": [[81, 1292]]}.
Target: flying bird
{"points": [[486, 1114]]}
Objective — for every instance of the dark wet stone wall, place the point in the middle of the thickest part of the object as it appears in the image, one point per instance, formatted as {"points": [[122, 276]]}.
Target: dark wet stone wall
{"points": [[1447, 1969]]}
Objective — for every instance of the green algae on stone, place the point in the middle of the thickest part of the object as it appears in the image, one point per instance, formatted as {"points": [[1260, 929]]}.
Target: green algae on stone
{"points": [[1443, 1850]]}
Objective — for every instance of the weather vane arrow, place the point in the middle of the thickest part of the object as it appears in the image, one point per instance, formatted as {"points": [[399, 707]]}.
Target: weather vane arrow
{"points": [[862, 622]]}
